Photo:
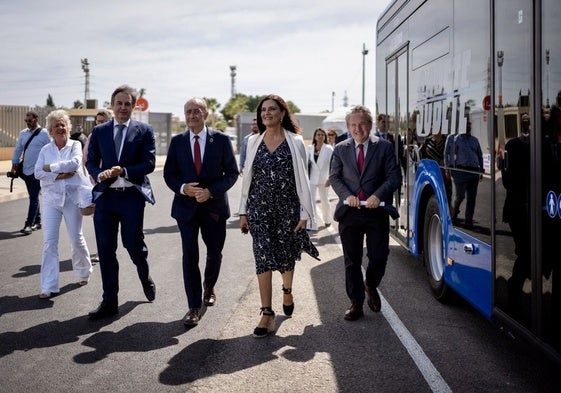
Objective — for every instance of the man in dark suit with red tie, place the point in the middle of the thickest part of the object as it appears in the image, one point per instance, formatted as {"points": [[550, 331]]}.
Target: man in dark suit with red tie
{"points": [[200, 167], [121, 154], [364, 173]]}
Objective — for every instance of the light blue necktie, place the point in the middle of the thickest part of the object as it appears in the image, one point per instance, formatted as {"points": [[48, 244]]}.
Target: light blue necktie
{"points": [[119, 138]]}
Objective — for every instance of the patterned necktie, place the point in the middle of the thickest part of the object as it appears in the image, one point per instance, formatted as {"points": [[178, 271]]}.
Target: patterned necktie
{"points": [[197, 154], [119, 138], [360, 164]]}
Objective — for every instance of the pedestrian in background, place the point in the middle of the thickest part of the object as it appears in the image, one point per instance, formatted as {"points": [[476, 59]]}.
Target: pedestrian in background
{"points": [[78, 135], [121, 154], [332, 136], [200, 167], [102, 116], [29, 144], [65, 189], [276, 203], [466, 162], [254, 131], [364, 173], [319, 158]]}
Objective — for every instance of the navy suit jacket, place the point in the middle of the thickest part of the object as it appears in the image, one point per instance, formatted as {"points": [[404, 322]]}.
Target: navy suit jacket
{"points": [[138, 156], [219, 172], [380, 175]]}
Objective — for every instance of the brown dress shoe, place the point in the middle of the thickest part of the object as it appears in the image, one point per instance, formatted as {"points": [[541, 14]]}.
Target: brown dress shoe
{"points": [[209, 298], [192, 317], [354, 312], [373, 298]]}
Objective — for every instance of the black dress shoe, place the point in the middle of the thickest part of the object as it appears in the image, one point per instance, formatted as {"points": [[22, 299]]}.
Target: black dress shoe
{"points": [[354, 312], [209, 298], [105, 310], [192, 317], [149, 290], [372, 298]]}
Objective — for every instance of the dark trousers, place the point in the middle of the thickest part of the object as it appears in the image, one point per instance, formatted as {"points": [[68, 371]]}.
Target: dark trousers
{"points": [[213, 232], [466, 184], [521, 270], [33, 188], [127, 209], [354, 226]]}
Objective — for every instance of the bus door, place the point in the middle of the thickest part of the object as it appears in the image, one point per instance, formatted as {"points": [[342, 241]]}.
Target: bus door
{"points": [[527, 168], [548, 234], [397, 99]]}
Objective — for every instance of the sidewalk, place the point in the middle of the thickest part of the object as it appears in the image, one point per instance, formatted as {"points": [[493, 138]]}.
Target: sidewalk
{"points": [[19, 190]]}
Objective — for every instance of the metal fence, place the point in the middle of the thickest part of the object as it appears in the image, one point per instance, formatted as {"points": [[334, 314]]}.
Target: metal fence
{"points": [[12, 121]]}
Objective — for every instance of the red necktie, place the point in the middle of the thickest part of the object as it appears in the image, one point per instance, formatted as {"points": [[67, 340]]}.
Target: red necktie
{"points": [[360, 164], [198, 162]]}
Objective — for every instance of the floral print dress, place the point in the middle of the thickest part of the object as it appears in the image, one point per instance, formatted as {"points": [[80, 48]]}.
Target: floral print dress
{"points": [[273, 211]]}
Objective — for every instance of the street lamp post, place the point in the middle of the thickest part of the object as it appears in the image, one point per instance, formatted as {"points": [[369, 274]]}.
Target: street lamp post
{"points": [[547, 78], [364, 53], [332, 101], [86, 69], [233, 76]]}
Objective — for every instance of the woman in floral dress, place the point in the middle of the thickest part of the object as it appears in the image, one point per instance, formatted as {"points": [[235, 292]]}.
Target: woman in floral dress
{"points": [[276, 204]]}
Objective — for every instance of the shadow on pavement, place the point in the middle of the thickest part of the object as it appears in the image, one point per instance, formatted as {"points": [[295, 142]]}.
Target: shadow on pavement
{"points": [[139, 337], [358, 351], [9, 304], [30, 270], [10, 235], [53, 333], [194, 363]]}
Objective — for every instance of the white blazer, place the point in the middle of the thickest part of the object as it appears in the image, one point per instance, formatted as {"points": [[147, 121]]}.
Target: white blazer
{"points": [[319, 171], [300, 164]]}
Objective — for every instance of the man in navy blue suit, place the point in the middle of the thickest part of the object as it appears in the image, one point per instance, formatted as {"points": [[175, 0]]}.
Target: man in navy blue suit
{"points": [[364, 173], [121, 154], [200, 167]]}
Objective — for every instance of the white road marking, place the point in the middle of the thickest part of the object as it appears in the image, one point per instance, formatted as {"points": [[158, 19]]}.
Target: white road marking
{"points": [[430, 373]]}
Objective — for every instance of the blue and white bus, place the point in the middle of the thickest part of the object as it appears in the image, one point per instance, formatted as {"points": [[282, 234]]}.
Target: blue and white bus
{"points": [[473, 90]]}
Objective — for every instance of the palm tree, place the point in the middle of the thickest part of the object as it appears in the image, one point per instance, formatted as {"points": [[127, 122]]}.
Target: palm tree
{"points": [[212, 106]]}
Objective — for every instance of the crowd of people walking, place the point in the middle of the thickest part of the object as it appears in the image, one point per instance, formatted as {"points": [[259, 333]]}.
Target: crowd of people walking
{"points": [[106, 175]]}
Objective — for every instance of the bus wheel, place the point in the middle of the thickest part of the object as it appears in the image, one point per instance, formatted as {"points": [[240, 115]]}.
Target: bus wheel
{"points": [[433, 250]]}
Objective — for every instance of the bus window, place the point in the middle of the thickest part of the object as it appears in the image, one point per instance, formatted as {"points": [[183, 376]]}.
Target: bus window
{"points": [[513, 287]]}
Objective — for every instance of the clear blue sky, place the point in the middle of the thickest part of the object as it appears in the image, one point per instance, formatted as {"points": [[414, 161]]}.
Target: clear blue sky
{"points": [[176, 49]]}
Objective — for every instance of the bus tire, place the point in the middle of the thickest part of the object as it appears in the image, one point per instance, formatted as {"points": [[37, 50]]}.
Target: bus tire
{"points": [[433, 250]]}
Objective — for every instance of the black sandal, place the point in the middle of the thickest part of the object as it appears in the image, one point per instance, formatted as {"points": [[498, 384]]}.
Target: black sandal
{"points": [[288, 310], [260, 332]]}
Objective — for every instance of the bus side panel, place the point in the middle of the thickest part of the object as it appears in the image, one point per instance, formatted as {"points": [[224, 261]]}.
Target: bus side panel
{"points": [[469, 274]]}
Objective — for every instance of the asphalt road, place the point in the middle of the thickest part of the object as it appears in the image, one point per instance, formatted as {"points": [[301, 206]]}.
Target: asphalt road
{"points": [[415, 345]]}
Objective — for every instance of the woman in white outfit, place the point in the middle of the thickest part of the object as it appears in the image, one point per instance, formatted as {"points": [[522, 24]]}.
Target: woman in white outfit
{"points": [[319, 158], [65, 190]]}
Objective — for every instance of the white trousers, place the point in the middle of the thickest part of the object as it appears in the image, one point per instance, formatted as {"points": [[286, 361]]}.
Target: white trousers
{"points": [[50, 264], [323, 192]]}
